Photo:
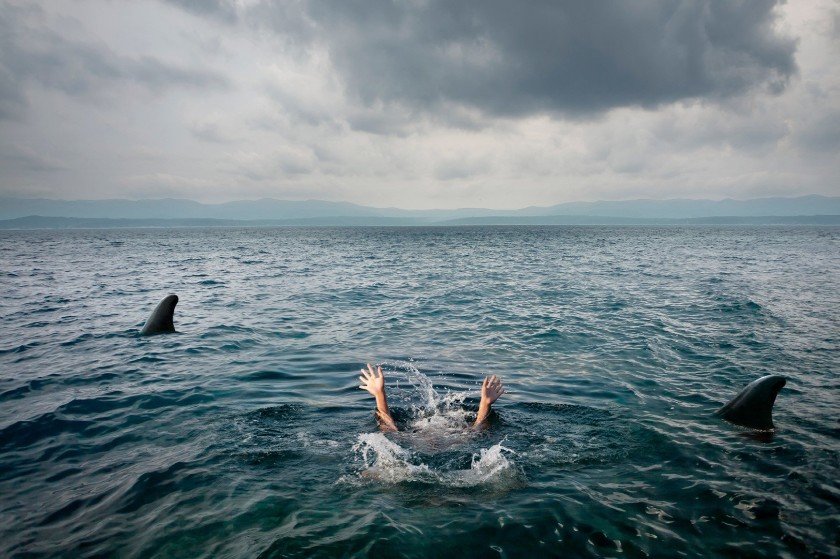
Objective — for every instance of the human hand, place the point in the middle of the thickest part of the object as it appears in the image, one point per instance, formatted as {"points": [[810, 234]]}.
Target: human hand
{"points": [[491, 389], [373, 382]]}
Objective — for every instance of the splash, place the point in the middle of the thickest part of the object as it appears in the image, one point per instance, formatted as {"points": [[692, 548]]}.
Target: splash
{"points": [[489, 466], [437, 423], [387, 462]]}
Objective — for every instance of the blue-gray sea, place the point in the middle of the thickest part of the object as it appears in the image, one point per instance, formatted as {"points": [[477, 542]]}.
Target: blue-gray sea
{"points": [[246, 435]]}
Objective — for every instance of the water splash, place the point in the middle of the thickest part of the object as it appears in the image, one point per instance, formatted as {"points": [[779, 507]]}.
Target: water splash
{"points": [[438, 422], [386, 461]]}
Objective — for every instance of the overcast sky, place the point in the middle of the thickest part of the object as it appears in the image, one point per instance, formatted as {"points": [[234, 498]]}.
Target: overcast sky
{"points": [[420, 103]]}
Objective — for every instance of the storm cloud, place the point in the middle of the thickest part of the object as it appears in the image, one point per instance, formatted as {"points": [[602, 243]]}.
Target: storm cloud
{"points": [[513, 58], [419, 103]]}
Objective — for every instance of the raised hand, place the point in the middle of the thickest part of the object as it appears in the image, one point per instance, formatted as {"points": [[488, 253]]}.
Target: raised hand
{"points": [[491, 389], [373, 382]]}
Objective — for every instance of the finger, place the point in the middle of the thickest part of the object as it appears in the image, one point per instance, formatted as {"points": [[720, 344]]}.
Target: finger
{"points": [[486, 382], [363, 387], [370, 368], [365, 373], [379, 372], [363, 380]]}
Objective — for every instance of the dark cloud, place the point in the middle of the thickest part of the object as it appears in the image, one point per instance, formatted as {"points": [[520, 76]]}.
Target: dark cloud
{"points": [[31, 52], [569, 57], [511, 58]]}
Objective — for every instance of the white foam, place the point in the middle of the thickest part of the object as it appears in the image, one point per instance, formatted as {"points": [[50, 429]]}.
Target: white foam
{"points": [[439, 423], [489, 466], [385, 461]]}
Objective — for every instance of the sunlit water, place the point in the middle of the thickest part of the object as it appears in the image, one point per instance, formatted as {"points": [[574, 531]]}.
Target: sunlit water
{"points": [[245, 434]]}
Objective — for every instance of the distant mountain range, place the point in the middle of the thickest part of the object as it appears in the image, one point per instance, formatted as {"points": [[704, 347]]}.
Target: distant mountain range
{"points": [[46, 213]]}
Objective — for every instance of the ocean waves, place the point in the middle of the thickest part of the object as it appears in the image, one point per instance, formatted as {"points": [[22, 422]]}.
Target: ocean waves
{"points": [[245, 434]]}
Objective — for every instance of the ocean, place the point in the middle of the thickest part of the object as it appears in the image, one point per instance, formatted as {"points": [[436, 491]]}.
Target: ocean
{"points": [[245, 434]]}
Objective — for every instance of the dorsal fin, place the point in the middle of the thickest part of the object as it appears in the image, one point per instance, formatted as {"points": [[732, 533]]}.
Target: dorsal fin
{"points": [[753, 406], [160, 321]]}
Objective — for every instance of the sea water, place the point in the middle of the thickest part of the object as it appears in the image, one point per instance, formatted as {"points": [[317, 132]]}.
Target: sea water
{"points": [[246, 435]]}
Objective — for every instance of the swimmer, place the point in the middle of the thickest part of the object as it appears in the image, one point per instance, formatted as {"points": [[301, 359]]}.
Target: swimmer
{"points": [[374, 382]]}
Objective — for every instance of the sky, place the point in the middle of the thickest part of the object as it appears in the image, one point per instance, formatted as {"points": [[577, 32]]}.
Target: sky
{"points": [[419, 103]]}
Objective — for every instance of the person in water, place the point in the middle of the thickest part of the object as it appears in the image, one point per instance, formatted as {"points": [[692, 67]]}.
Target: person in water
{"points": [[374, 382]]}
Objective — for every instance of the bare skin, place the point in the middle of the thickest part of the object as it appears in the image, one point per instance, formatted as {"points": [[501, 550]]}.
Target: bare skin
{"points": [[374, 382], [491, 389]]}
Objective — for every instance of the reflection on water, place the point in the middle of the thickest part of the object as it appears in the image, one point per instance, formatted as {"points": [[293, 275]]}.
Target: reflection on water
{"points": [[245, 434]]}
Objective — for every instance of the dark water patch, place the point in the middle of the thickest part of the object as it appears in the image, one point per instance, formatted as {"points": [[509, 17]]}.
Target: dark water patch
{"points": [[67, 472], [146, 401], [269, 375], [22, 391], [149, 487], [19, 348], [277, 413], [73, 508], [22, 434]]}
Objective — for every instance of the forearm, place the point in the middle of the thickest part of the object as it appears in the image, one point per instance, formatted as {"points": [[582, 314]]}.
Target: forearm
{"points": [[382, 404], [483, 412], [384, 413]]}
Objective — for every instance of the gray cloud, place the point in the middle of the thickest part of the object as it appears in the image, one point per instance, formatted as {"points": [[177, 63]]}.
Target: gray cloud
{"points": [[16, 159], [209, 132], [463, 167], [221, 9], [418, 103], [32, 52], [821, 135], [576, 58]]}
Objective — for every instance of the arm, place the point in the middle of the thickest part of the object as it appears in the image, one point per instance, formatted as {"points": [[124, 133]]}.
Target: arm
{"points": [[374, 382], [491, 389]]}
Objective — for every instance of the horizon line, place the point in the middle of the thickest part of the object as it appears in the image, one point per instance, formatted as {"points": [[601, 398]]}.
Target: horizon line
{"points": [[265, 198]]}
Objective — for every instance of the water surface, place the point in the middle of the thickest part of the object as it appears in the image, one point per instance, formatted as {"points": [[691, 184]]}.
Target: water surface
{"points": [[245, 434]]}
